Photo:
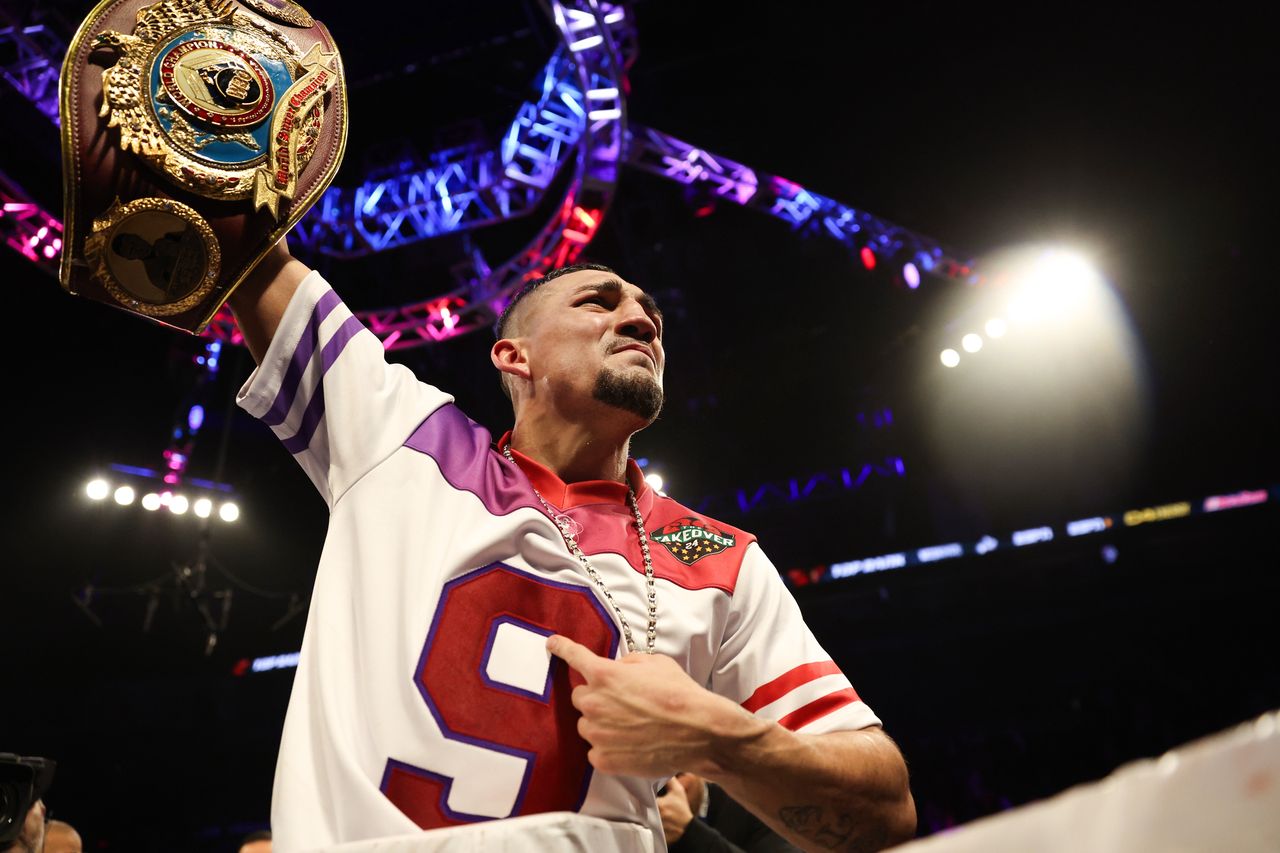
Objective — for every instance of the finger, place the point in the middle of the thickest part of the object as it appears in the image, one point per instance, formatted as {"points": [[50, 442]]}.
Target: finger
{"points": [[579, 657], [674, 787]]}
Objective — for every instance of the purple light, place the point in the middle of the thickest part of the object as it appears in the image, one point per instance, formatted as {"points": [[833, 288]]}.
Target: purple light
{"points": [[49, 251], [195, 417], [912, 275]]}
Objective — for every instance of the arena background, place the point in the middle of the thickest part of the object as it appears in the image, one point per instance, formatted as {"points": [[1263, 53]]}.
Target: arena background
{"points": [[1144, 141]]}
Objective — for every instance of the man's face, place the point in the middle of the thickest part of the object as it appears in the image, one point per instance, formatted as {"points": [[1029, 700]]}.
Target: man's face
{"points": [[592, 336]]}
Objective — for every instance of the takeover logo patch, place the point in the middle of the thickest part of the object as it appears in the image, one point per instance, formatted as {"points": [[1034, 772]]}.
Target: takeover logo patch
{"points": [[690, 539]]}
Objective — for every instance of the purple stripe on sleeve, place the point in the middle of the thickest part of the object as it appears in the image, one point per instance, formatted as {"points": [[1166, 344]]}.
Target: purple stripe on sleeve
{"points": [[462, 449], [301, 440], [301, 358]]}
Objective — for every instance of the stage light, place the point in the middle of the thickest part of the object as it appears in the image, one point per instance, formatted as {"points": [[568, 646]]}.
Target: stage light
{"points": [[203, 507], [950, 358], [229, 512], [868, 257], [911, 275], [195, 418], [654, 481], [971, 342], [124, 495], [151, 501], [1057, 285], [996, 327], [178, 505], [97, 489]]}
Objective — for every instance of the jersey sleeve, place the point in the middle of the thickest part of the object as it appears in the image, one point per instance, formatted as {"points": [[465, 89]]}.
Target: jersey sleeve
{"points": [[770, 662], [328, 393]]}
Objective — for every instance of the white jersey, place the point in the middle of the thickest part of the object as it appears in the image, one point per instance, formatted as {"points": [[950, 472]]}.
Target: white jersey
{"points": [[424, 697]]}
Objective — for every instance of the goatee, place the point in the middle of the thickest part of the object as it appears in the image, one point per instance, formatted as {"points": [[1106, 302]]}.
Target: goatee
{"points": [[640, 395]]}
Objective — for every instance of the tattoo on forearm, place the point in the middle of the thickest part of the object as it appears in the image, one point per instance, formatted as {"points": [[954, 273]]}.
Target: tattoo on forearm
{"points": [[834, 831]]}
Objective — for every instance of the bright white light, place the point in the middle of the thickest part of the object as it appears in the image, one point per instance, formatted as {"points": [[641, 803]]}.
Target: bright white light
{"points": [[654, 481], [203, 507], [911, 275], [97, 489], [151, 501], [124, 495], [971, 342], [229, 511], [178, 505], [950, 358], [996, 328], [1058, 284]]}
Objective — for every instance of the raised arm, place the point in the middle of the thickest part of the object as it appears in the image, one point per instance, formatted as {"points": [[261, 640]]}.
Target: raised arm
{"points": [[259, 302]]}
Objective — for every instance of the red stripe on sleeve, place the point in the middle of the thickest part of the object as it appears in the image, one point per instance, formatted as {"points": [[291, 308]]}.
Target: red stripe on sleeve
{"points": [[818, 708], [788, 681]]}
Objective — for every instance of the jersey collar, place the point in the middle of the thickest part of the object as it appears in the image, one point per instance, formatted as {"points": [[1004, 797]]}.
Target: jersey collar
{"points": [[569, 495]]}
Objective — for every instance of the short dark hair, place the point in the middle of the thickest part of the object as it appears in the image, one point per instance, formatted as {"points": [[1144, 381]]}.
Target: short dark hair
{"points": [[500, 327]]}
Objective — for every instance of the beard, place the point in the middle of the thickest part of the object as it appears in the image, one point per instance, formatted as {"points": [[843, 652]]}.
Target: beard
{"points": [[640, 395]]}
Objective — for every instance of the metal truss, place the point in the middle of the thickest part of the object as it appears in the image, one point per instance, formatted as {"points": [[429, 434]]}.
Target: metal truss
{"points": [[578, 117], [462, 188], [27, 227], [32, 52], [805, 211]]}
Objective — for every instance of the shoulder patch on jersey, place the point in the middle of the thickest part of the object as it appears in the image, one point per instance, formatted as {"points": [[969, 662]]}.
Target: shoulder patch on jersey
{"points": [[689, 539], [703, 552]]}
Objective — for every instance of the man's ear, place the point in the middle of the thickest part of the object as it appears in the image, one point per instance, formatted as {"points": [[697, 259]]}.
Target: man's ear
{"points": [[509, 357]]}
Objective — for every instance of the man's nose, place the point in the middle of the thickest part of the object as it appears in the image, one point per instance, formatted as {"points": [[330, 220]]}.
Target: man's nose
{"points": [[634, 322]]}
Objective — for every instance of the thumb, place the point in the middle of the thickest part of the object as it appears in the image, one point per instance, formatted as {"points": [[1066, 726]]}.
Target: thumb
{"points": [[675, 787]]}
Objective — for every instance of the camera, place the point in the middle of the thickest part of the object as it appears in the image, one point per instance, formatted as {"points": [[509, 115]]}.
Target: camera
{"points": [[23, 780]]}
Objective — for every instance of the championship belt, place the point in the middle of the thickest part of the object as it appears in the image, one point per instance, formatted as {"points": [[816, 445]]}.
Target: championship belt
{"points": [[195, 133]]}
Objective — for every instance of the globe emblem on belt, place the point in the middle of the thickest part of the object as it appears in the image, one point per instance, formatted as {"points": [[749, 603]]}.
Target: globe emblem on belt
{"points": [[216, 83]]}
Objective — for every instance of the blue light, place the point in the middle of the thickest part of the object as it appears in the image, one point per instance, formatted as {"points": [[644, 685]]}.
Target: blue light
{"points": [[643, 461], [195, 417], [940, 552]]}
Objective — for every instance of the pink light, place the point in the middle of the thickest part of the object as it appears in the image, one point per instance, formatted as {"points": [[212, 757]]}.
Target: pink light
{"points": [[43, 232], [49, 251], [868, 257], [450, 319], [35, 240], [911, 275], [57, 243]]}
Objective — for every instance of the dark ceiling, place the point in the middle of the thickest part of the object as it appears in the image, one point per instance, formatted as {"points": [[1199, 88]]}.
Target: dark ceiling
{"points": [[1146, 138]]}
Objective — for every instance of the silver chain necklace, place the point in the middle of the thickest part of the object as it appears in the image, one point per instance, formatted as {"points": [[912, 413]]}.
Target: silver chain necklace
{"points": [[563, 523]]}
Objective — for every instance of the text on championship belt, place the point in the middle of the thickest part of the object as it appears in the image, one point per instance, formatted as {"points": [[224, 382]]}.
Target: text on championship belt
{"points": [[278, 178]]}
